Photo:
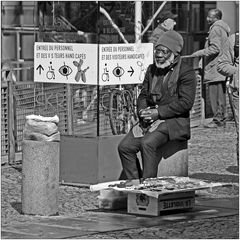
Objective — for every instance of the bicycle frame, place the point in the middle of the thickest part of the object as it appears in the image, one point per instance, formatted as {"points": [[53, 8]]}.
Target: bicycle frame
{"points": [[122, 110]]}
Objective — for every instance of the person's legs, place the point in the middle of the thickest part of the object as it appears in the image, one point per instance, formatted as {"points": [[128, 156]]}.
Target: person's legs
{"points": [[128, 149], [150, 143], [235, 103], [212, 89], [217, 96], [213, 94], [221, 102]]}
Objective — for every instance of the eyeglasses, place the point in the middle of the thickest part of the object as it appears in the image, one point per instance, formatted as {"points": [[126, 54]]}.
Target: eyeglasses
{"points": [[165, 52]]}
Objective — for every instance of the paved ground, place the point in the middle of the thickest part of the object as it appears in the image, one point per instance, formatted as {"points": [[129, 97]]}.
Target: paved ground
{"points": [[215, 228], [211, 157]]}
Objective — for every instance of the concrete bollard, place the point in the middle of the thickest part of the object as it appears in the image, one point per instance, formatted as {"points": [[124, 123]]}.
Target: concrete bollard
{"points": [[40, 177]]}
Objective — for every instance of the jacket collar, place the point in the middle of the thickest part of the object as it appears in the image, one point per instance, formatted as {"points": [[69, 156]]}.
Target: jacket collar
{"points": [[162, 27]]}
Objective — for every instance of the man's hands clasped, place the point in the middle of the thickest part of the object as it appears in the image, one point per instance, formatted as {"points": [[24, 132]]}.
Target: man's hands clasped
{"points": [[149, 114]]}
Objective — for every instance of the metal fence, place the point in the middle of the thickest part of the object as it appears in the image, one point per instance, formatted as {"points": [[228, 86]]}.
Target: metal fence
{"points": [[40, 99], [24, 98], [4, 120], [75, 105]]}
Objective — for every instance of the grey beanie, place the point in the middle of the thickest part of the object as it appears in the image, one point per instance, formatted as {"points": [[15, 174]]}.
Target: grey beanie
{"points": [[172, 40]]}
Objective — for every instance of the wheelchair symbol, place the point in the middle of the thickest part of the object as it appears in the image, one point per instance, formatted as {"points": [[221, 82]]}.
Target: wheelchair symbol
{"points": [[105, 75], [50, 73]]}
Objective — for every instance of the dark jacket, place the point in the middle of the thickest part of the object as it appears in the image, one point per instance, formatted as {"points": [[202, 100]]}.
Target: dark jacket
{"points": [[174, 102], [217, 36]]}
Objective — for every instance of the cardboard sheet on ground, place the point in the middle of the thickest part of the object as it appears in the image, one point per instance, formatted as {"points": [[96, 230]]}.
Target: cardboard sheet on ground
{"points": [[156, 186]]}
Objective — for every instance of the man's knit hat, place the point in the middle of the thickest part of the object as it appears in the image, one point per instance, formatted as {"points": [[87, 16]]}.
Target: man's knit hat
{"points": [[172, 40], [165, 15]]}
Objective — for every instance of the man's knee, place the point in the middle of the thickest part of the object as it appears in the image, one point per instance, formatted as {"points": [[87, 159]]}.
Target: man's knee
{"points": [[153, 143], [124, 146], [147, 143]]}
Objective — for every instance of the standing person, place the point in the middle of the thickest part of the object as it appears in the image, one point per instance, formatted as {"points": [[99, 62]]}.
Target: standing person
{"points": [[217, 36], [228, 65], [163, 106], [166, 23]]}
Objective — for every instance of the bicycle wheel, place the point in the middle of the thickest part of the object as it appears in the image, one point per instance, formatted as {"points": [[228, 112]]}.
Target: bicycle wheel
{"points": [[121, 111]]}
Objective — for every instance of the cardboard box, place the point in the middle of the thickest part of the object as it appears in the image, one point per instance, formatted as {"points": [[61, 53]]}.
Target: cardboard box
{"points": [[140, 203]]}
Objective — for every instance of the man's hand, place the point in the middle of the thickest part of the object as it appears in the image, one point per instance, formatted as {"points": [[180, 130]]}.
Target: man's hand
{"points": [[149, 115], [198, 53]]}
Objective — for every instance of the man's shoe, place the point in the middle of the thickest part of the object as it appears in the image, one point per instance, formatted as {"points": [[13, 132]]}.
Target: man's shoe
{"points": [[211, 125]]}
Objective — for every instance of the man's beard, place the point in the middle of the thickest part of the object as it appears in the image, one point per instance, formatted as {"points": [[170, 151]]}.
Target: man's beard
{"points": [[167, 63]]}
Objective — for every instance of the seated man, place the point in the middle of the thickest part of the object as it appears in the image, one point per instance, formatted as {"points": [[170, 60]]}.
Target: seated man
{"points": [[164, 106]]}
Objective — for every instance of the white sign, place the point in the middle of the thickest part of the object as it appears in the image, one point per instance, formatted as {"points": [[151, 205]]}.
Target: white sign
{"points": [[65, 63], [78, 63], [124, 63]]}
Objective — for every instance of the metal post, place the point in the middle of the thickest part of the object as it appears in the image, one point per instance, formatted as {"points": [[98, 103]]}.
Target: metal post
{"points": [[69, 109], [138, 20], [98, 87], [138, 24], [18, 43], [11, 120]]}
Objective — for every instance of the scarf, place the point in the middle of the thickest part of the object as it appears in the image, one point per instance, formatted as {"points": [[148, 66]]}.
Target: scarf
{"points": [[170, 74]]}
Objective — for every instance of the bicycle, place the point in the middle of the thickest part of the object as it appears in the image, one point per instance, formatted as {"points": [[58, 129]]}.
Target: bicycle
{"points": [[122, 110]]}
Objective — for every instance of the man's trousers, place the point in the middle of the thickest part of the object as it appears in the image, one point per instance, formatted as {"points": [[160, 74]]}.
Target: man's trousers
{"points": [[234, 101], [217, 96], [148, 146]]}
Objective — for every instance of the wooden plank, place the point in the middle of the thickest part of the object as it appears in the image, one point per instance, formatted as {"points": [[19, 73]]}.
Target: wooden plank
{"points": [[101, 186], [133, 189]]}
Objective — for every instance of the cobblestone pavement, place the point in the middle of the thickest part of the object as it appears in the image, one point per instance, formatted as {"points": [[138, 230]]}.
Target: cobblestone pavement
{"points": [[212, 156]]}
